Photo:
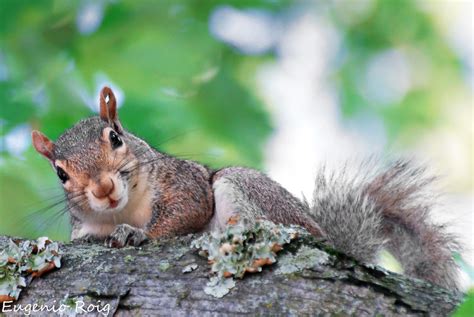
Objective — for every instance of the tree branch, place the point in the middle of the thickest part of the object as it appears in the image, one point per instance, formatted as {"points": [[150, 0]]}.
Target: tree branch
{"points": [[150, 280]]}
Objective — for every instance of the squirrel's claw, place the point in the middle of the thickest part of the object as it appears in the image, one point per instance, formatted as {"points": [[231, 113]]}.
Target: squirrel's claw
{"points": [[124, 235]]}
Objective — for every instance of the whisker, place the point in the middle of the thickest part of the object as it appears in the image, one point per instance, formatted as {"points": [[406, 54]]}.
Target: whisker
{"points": [[177, 136], [50, 220], [39, 213], [140, 164], [43, 201], [50, 189], [137, 155], [192, 156]]}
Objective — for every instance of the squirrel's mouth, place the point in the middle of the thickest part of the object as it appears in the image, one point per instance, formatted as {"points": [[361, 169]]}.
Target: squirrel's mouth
{"points": [[109, 205], [113, 203], [113, 200]]}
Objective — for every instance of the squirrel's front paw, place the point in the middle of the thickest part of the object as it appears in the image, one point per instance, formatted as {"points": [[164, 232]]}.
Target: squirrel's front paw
{"points": [[125, 235]]}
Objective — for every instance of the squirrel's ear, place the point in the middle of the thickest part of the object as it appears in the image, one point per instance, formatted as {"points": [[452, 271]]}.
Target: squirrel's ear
{"points": [[108, 109], [42, 144]]}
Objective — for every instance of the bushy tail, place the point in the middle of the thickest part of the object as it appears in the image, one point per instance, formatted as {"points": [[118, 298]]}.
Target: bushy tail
{"points": [[388, 208]]}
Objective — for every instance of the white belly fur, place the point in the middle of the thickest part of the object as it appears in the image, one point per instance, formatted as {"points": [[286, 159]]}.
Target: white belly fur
{"points": [[229, 201]]}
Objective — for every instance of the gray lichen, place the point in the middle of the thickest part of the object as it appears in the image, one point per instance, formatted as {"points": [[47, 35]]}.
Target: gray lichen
{"points": [[245, 247], [219, 287], [23, 258], [305, 258]]}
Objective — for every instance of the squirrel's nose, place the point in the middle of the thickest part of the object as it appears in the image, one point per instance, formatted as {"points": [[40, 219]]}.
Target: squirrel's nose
{"points": [[104, 189]]}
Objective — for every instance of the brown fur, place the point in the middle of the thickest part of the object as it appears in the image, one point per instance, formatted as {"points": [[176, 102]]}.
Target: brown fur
{"points": [[158, 195], [108, 109], [272, 201], [185, 202]]}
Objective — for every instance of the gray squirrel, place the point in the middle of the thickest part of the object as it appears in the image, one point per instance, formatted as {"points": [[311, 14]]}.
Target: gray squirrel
{"points": [[123, 191]]}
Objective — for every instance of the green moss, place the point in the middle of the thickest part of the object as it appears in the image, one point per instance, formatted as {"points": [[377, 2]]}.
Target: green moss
{"points": [[164, 266], [182, 296], [129, 258], [70, 303]]}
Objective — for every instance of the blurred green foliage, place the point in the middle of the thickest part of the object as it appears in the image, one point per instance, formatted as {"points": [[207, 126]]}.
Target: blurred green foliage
{"points": [[402, 25], [185, 92], [467, 307]]}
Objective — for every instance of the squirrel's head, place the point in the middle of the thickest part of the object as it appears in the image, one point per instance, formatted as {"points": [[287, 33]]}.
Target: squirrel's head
{"points": [[93, 160]]}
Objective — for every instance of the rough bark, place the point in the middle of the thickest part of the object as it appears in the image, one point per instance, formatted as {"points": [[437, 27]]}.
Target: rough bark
{"points": [[139, 281]]}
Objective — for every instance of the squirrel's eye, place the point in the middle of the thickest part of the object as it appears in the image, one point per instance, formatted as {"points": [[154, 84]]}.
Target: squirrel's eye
{"points": [[115, 140], [62, 174]]}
